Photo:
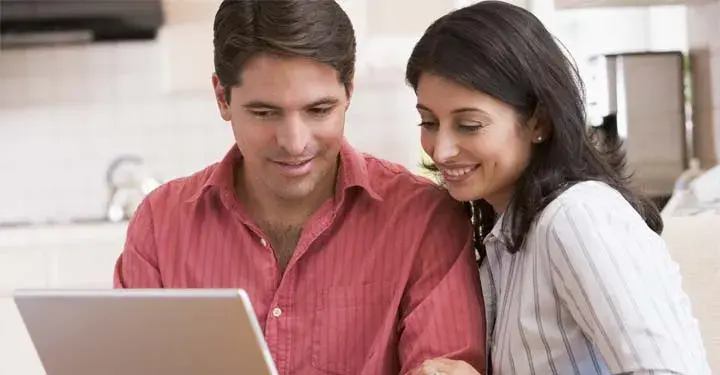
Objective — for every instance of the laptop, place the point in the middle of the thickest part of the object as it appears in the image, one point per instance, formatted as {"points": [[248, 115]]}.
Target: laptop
{"points": [[145, 332]]}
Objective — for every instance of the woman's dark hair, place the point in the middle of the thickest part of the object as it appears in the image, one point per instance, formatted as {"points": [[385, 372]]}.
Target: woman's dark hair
{"points": [[504, 51], [317, 29]]}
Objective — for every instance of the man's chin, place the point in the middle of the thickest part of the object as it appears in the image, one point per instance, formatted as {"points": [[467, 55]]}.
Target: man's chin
{"points": [[292, 194], [291, 188]]}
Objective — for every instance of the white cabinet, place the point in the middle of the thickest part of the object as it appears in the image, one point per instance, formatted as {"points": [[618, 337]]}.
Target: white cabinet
{"points": [[73, 256]]}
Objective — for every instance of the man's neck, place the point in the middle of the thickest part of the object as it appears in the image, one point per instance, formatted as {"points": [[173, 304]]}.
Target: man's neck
{"points": [[267, 207]]}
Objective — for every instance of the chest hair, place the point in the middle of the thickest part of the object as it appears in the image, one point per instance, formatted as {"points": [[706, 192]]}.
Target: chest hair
{"points": [[284, 239]]}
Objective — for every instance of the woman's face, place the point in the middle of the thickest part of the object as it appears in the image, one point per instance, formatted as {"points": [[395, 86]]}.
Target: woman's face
{"points": [[475, 140]]}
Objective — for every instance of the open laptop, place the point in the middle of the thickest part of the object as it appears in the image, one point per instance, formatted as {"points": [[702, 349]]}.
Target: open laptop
{"points": [[145, 332]]}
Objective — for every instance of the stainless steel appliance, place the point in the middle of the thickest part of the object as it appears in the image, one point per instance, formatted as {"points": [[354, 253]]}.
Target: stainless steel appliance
{"points": [[646, 93]]}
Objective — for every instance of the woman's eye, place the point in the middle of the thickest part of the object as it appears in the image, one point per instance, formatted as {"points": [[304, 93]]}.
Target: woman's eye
{"points": [[428, 125], [470, 128]]}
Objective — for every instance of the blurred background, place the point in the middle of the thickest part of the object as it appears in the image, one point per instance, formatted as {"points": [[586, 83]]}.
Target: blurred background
{"points": [[102, 100]]}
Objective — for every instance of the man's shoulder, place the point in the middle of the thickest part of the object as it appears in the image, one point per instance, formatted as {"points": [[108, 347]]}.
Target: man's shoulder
{"points": [[417, 202], [394, 178], [396, 183], [181, 189]]}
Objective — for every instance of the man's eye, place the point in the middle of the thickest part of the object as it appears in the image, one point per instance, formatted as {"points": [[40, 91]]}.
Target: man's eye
{"points": [[320, 110], [263, 114]]}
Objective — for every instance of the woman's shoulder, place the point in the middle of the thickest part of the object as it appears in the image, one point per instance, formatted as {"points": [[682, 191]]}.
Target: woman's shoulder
{"points": [[592, 192], [589, 201]]}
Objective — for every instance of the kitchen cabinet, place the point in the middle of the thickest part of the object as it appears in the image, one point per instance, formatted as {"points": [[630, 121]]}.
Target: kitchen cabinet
{"points": [[62, 256]]}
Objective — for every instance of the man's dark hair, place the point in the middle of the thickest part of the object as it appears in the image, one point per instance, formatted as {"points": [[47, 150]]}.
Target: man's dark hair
{"points": [[316, 29]]}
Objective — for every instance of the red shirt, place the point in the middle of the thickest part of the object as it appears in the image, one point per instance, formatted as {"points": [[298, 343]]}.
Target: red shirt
{"points": [[383, 276]]}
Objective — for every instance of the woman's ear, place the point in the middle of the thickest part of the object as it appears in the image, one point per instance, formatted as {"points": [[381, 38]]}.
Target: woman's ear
{"points": [[538, 125]]}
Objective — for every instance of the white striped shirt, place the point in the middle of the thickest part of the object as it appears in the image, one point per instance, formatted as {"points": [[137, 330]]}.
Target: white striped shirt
{"points": [[593, 291]]}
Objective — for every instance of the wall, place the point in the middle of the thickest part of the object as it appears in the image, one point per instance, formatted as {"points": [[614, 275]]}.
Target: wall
{"points": [[704, 40], [67, 111], [596, 31]]}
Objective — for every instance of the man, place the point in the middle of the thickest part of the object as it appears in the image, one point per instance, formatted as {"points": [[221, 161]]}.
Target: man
{"points": [[353, 264]]}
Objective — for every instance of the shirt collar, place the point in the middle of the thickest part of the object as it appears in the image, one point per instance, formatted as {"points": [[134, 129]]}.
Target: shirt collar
{"points": [[221, 177], [498, 233], [353, 172]]}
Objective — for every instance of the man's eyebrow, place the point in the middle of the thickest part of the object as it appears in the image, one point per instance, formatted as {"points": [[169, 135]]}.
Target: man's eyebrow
{"points": [[258, 104], [328, 100]]}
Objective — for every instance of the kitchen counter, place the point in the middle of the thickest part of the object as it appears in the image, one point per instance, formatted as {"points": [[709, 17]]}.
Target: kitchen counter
{"points": [[53, 235], [49, 256]]}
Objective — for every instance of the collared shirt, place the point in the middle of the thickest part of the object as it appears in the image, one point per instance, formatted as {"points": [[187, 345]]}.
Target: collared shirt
{"points": [[382, 278], [593, 291]]}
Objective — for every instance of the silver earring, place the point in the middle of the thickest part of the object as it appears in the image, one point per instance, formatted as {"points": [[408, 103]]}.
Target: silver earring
{"points": [[539, 139]]}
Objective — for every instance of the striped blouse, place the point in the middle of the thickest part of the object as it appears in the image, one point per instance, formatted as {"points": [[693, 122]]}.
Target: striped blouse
{"points": [[594, 291]]}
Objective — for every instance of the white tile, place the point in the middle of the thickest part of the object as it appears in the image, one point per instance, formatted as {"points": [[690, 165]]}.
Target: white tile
{"points": [[382, 16], [98, 59], [184, 12], [137, 57], [41, 62], [24, 91], [187, 62], [68, 112], [73, 145]]}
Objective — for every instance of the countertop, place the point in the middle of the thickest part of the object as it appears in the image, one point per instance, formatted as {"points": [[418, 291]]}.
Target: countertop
{"points": [[60, 234]]}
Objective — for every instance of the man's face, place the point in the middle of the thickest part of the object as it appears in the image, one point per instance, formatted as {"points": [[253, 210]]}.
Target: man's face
{"points": [[288, 118]]}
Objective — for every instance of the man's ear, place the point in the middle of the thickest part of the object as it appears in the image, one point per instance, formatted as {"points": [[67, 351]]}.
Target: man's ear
{"points": [[221, 97], [349, 92]]}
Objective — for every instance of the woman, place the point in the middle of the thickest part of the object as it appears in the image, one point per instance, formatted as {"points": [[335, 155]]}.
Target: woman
{"points": [[577, 279]]}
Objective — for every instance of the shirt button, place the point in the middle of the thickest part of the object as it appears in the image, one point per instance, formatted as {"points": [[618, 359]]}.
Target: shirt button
{"points": [[263, 242], [277, 312]]}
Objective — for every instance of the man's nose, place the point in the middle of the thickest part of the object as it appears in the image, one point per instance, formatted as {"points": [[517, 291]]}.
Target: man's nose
{"points": [[293, 136]]}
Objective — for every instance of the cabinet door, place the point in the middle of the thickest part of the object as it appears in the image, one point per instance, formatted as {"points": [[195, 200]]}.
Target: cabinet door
{"points": [[85, 266]]}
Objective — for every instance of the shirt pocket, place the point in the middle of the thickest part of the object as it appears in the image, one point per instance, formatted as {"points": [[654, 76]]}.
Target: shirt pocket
{"points": [[348, 320]]}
